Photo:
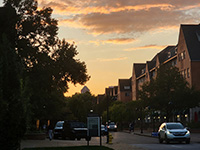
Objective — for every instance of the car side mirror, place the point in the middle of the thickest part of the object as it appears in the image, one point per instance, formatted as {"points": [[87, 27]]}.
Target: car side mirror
{"points": [[187, 128]]}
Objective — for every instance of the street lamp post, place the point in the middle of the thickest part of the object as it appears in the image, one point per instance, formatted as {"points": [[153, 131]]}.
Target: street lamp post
{"points": [[107, 119]]}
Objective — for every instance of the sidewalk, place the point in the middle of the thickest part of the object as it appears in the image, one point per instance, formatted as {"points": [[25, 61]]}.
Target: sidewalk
{"points": [[82, 142]]}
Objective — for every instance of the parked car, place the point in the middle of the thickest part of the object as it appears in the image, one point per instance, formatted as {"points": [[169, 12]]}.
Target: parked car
{"points": [[58, 129], [112, 126], [173, 131], [75, 130]]}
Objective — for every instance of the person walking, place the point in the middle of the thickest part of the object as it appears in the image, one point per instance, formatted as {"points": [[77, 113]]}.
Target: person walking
{"points": [[131, 127], [50, 131]]}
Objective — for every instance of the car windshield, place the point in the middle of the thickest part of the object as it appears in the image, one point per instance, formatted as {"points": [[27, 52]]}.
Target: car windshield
{"points": [[175, 126], [78, 125], [112, 123], [59, 124]]}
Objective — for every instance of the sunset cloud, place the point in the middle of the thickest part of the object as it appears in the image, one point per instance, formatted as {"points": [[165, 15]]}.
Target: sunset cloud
{"points": [[153, 46], [119, 16], [114, 41]]}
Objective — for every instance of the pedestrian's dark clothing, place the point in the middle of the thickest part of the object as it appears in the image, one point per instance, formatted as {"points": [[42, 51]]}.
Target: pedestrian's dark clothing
{"points": [[131, 127], [50, 131]]}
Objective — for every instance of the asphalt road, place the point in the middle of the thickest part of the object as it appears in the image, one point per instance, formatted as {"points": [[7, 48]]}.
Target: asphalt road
{"points": [[149, 143], [121, 141]]}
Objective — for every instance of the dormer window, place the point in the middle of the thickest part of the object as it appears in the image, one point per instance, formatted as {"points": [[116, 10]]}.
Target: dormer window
{"points": [[169, 54], [176, 50], [143, 71]]}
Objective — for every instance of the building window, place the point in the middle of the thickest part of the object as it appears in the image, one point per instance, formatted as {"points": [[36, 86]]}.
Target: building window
{"points": [[169, 54], [176, 50], [184, 73], [188, 72], [127, 94], [143, 71], [174, 62], [181, 56], [127, 87]]}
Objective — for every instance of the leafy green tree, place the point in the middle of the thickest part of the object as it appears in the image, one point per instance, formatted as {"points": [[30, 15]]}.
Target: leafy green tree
{"points": [[80, 105], [168, 92], [131, 114], [118, 112]]}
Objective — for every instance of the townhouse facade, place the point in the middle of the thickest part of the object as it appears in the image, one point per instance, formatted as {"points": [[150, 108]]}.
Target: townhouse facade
{"points": [[185, 56]]}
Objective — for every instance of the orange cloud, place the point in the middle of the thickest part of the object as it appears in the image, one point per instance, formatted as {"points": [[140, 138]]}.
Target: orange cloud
{"points": [[119, 16], [114, 41], [152, 46]]}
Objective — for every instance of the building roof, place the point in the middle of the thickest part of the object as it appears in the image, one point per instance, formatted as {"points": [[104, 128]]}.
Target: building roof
{"points": [[138, 68], [164, 54], [192, 38]]}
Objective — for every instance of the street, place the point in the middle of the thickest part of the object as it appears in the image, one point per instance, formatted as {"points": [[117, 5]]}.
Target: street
{"points": [[121, 141], [149, 143]]}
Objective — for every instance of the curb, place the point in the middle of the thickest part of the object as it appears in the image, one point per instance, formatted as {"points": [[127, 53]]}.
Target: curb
{"points": [[141, 134]]}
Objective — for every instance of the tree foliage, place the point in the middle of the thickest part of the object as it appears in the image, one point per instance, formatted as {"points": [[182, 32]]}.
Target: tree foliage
{"points": [[49, 62], [12, 108], [35, 67], [168, 92], [80, 105]]}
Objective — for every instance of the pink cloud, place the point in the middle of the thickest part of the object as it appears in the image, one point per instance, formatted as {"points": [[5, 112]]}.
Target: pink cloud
{"points": [[123, 16]]}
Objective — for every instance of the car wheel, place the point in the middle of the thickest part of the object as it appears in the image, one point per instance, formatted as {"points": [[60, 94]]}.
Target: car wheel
{"points": [[63, 137], [160, 140], [88, 138], [78, 139], [166, 139], [187, 141], [72, 138]]}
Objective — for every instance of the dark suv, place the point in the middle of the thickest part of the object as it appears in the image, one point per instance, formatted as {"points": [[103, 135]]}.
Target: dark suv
{"points": [[75, 130], [57, 132]]}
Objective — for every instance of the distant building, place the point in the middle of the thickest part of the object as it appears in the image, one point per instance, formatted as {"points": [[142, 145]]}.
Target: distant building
{"points": [[100, 98], [111, 91], [85, 89], [124, 90]]}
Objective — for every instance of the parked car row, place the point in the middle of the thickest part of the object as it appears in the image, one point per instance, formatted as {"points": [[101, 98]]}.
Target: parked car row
{"points": [[77, 130], [70, 129]]}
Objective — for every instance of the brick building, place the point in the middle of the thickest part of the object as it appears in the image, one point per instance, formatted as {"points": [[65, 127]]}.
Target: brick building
{"points": [[185, 56]]}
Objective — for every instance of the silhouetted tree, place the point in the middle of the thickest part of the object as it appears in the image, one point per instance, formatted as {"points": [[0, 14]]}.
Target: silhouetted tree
{"points": [[49, 62], [12, 104]]}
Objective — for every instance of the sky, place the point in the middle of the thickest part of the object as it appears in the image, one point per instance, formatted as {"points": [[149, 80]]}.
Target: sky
{"points": [[111, 35]]}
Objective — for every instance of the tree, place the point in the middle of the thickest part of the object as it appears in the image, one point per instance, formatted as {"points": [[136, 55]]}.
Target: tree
{"points": [[168, 92], [49, 62], [80, 105], [12, 104]]}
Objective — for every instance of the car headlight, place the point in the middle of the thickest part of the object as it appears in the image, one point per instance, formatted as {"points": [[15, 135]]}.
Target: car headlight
{"points": [[168, 132], [115, 126], [188, 132]]}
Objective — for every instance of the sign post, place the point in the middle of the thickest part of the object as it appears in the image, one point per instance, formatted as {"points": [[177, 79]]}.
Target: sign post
{"points": [[94, 126]]}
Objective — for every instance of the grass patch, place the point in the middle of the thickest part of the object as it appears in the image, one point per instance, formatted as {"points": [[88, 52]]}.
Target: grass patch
{"points": [[72, 148]]}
